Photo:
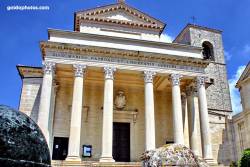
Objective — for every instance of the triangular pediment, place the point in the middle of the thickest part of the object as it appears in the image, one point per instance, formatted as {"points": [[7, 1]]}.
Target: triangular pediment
{"points": [[245, 74], [119, 13]]}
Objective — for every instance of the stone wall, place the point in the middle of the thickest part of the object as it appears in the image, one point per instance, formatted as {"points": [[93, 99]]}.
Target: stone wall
{"points": [[218, 95], [30, 97]]}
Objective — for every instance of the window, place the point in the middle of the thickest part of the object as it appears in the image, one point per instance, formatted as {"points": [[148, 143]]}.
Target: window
{"points": [[208, 52]]}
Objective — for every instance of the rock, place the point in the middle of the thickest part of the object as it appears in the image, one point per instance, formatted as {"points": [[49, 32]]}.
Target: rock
{"points": [[171, 155], [21, 141]]}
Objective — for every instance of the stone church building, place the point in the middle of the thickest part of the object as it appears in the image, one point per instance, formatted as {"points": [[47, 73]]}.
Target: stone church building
{"points": [[111, 88]]}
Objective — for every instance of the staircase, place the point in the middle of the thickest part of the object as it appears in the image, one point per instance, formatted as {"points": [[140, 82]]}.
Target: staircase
{"points": [[211, 162], [94, 164]]}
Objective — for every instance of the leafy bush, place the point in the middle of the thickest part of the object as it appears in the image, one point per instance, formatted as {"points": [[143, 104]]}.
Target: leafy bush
{"points": [[245, 159], [233, 164]]}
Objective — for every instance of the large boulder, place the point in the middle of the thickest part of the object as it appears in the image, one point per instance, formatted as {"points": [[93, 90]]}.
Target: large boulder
{"points": [[21, 141], [171, 155]]}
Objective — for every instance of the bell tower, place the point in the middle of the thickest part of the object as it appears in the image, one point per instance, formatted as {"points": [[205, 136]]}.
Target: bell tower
{"points": [[218, 96], [211, 40]]}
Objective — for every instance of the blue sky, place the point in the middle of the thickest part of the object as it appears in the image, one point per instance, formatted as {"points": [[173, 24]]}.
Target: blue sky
{"points": [[21, 31]]}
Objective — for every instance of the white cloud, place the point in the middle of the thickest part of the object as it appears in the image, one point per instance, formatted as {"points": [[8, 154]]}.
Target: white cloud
{"points": [[166, 38], [246, 49], [235, 95], [228, 55]]}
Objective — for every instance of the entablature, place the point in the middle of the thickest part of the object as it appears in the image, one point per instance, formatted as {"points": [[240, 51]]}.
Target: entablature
{"points": [[124, 43], [130, 60]]}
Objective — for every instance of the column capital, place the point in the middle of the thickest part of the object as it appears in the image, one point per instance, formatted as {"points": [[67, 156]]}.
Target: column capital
{"points": [[200, 81], [175, 78], [79, 69], [109, 72], [49, 67], [149, 76]]}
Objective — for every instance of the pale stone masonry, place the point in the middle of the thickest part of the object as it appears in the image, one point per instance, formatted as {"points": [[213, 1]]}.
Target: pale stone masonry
{"points": [[175, 92], [238, 133]]}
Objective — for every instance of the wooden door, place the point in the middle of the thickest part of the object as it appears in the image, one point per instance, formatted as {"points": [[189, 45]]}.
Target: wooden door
{"points": [[121, 142]]}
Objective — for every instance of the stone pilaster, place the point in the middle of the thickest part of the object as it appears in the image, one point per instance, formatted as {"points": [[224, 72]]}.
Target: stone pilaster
{"points": [[204, 120], [107, 128], [74, 151], [177, 109], [44, 115], [149, 110]]}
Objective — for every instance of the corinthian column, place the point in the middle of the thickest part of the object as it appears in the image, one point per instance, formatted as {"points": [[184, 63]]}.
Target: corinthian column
{"points": [[177, 109], [74, 151], [107, 128], [192, 117], [204, 120], [149, 110], [44, 115]]}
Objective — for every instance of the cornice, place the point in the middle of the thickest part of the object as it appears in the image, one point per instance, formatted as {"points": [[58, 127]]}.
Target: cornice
{"points": [[29, 71], [119, 53], [244, 76], [89, 35], [188, 26], [122, 23], [92, 14]]}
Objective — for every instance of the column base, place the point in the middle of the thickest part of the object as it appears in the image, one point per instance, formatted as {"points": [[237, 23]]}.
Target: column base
{"points": [[106, 159], [73, 158], [211, 161]]}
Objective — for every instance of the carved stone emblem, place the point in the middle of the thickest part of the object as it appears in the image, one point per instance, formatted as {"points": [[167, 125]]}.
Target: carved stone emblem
{"points": [[120, 100]]}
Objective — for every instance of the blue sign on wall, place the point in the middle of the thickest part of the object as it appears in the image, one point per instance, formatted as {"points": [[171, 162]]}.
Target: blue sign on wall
{"points": [[87, 150]]}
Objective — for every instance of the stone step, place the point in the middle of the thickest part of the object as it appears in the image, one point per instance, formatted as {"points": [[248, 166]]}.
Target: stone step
{"points": [[211, 162], [94, 164]]}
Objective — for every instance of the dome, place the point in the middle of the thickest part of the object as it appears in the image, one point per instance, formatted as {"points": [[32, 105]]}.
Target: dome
{"points": [[21, 141]]}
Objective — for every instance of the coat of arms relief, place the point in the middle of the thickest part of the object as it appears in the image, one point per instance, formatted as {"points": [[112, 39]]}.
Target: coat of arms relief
{"points": [[120, 100]]}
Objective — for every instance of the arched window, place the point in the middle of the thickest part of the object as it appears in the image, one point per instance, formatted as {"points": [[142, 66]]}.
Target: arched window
{"points": [[208, 51]]}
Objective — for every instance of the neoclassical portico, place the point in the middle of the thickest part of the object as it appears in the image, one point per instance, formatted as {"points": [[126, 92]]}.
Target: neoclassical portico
{"points": [[74, 150]]}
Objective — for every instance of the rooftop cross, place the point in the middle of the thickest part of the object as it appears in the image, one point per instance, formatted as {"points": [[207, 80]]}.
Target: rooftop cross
{"points": [[193, 19]]}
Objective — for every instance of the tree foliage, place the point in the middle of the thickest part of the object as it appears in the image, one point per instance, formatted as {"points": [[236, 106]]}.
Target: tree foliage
{"points": [[245, 159]]}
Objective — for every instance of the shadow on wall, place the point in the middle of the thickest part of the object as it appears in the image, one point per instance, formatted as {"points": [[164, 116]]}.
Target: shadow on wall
{"points": [[226, 149], [35, 108]]}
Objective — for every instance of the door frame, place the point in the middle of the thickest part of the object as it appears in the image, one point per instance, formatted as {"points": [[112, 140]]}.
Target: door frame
{"points": [[52, 150], [119, 119]]}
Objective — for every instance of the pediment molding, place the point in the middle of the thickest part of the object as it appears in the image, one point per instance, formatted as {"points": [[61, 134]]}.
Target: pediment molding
{"points": [[30, 71], [99, 15], [244, 76]]}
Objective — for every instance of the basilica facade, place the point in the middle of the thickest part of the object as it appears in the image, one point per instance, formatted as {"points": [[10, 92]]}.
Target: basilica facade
{"points": [[111, 89]]}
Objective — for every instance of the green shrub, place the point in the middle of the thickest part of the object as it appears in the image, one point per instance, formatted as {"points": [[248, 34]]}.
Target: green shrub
{"points": [[245, 159], [233, 164]]}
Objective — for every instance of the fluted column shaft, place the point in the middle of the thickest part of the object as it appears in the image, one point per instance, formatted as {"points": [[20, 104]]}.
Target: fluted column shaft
{"points": [[74, 151], [192, 117], [107, 128], [149, 110], [204, 120], [44, 115], [177, 109]]}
